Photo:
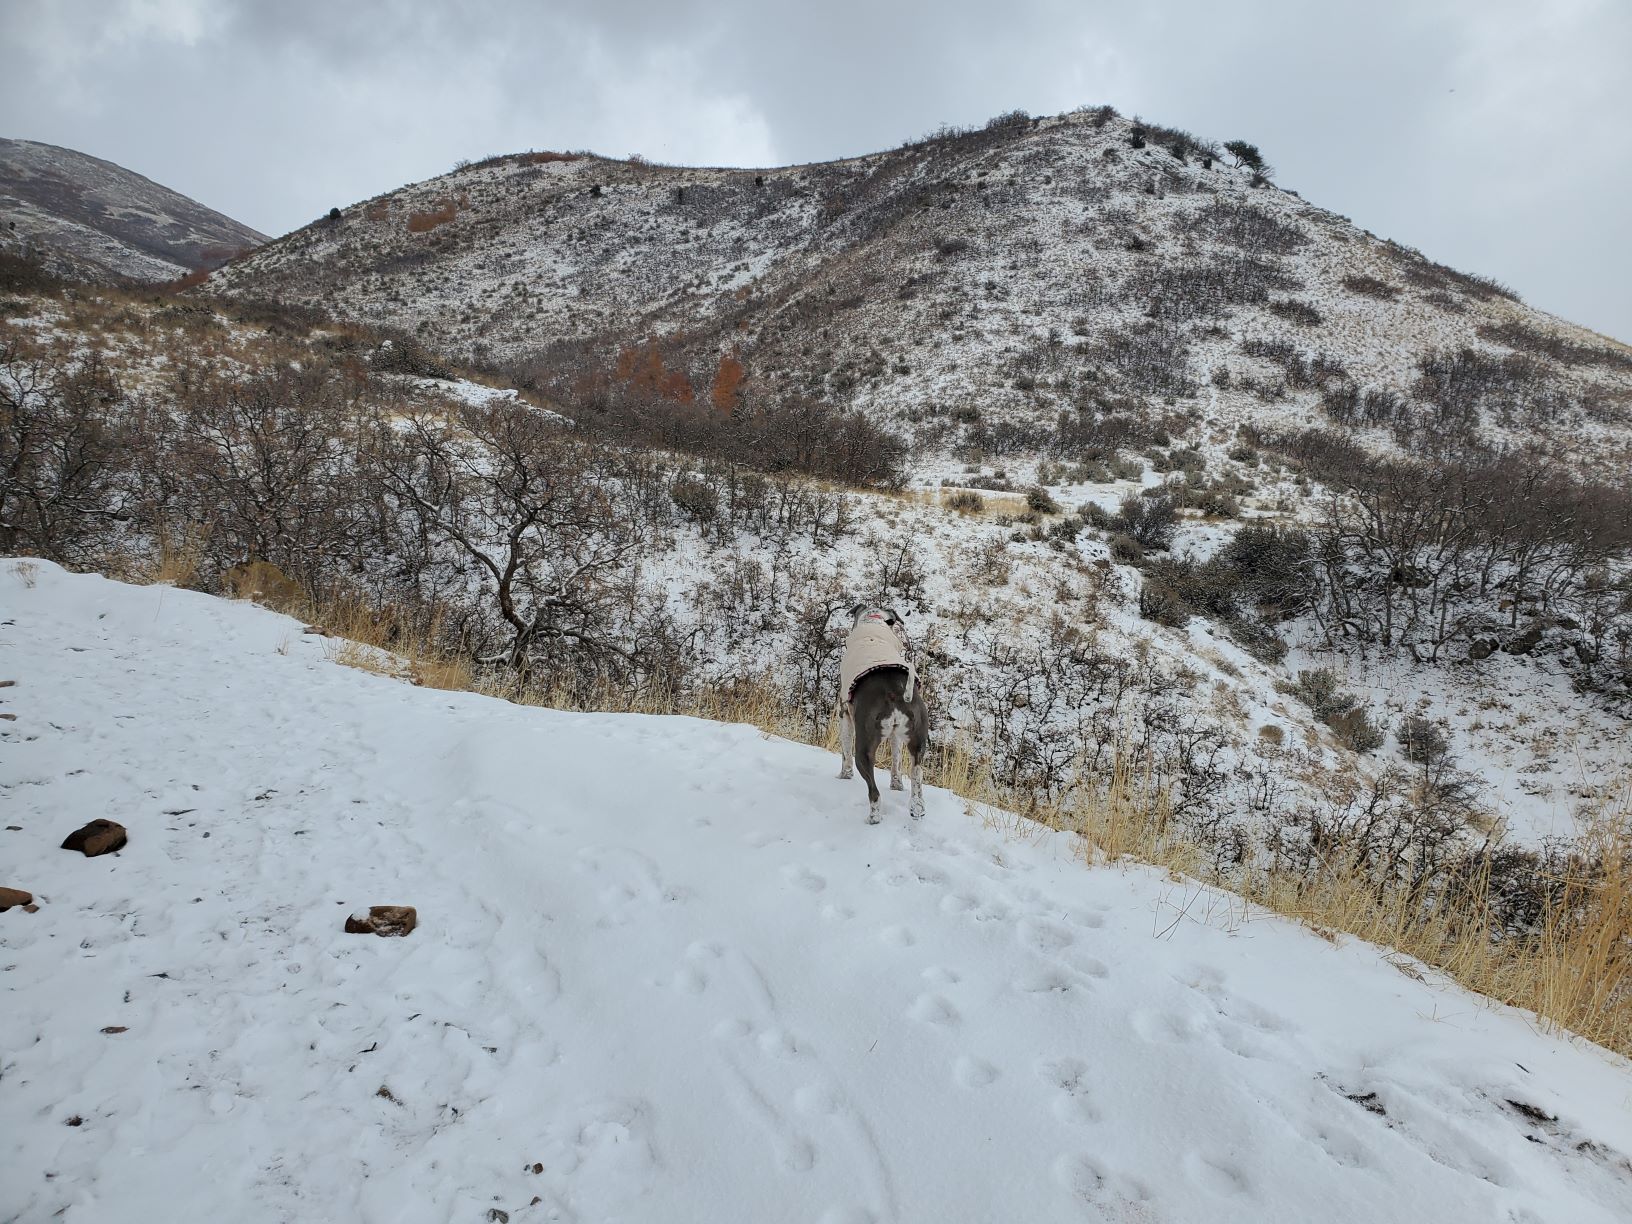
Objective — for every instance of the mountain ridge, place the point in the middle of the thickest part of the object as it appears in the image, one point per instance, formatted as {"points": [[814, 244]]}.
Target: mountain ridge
{"points": [[972, 282], [90, 218]]}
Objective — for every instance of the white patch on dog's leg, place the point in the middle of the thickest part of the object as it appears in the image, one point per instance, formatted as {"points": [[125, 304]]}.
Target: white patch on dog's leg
{"points": [[873, 814], [917, 808], [847, 741], [898, 740]]}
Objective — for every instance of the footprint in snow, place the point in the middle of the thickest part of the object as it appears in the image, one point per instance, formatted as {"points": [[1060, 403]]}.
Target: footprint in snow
{"points": [[690, 980], [933, 1009], [897, 937], [803, 877], [1070, 1076], [1050, 979], [1041, 935], [971, 1072], [1164, 1027], [1216, 1176], [1084, 1177]]}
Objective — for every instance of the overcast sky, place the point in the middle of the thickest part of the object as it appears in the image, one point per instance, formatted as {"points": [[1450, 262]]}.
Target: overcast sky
{"points": [[1494, 134]]}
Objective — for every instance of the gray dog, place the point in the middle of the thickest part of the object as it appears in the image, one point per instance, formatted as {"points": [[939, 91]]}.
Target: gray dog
{"points": [[880, 699]]}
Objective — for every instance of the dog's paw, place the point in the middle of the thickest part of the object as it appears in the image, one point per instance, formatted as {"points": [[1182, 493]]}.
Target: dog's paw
{"points": [[917, 811], [847, 773], [873, 817], [897, 784]]}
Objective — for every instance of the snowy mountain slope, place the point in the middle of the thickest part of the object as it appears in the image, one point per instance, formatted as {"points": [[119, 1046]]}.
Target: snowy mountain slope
{"points": [[665, 972], [1003, 275], [88, 217]]}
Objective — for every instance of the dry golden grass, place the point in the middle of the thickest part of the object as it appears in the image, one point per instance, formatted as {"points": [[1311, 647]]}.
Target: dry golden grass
{"points": [[1574, 974], [995, 505], [176, 564]]}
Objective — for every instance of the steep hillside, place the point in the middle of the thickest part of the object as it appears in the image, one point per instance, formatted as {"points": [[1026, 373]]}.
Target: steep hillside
{"points": [[90, 218], [971, 287], [663, 971]]}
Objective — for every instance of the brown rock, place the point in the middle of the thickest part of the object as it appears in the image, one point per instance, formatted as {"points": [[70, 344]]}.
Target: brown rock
{"points": [[98, 837], [14, 896], [383, 920], [9, 717], [116, 1028]]}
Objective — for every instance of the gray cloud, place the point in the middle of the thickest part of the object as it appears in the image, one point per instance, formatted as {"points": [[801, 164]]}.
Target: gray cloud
{"points": [[1490, 133]]}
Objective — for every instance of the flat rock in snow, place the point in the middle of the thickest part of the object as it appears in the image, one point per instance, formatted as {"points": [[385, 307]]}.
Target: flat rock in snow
{"points": [[97, 837], [383, 920]]}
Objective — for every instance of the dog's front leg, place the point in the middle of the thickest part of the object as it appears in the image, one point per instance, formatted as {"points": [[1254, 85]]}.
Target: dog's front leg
{"points": [[847, 740], [916, 809]]}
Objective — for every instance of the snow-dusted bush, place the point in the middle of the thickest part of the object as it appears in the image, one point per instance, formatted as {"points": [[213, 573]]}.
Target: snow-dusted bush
{"points": [[1152, 521]]}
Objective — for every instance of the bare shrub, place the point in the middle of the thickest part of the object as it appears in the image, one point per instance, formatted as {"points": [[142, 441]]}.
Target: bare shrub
{"points": [[1516, 336], [1295, 311], [1246, 227], [696, 498], [1371, 286], [1424, 273], [1193, 289], [63, 455], [1150, 356]]}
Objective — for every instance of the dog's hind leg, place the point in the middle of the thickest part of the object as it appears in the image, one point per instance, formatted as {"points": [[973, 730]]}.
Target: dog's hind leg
{"points": [[866, 731], [898, 740], [864, 762], [847, 740], [917, 745]]}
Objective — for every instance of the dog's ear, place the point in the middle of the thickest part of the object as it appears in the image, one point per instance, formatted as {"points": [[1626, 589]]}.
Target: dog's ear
{"points": [[857, 610], [897, 615]]}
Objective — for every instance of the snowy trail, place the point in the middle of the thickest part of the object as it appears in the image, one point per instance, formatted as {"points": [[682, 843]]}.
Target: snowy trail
{"points": [[666, 964]]}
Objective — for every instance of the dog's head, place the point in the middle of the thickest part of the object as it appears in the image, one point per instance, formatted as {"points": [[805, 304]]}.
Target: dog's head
{"points": [[888, 616]]}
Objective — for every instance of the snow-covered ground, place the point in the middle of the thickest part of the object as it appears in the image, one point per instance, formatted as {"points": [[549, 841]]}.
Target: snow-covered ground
{"points": [[664, 971]]}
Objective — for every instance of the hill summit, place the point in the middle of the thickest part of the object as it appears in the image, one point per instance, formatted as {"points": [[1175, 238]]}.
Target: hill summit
{"points": [[970, 286]]}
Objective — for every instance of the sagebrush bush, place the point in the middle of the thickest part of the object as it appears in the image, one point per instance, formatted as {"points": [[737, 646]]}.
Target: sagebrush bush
{"points": [[1356, 731], [1421, 741], [1039, 501], [1152, 521], [1160, 602], [1126, 549]]}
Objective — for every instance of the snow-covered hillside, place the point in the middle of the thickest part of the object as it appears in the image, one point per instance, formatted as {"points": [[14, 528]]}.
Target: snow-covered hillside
{"points": [[664, 971], [1083, 262], [86, 217]]}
